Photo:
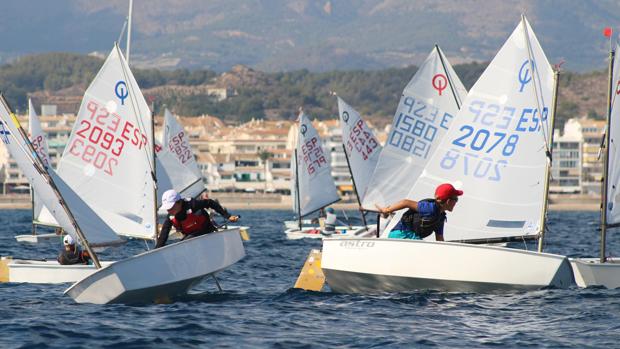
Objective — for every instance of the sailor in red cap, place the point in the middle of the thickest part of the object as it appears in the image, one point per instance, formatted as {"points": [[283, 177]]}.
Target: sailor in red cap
{"points": [[423, 217]]}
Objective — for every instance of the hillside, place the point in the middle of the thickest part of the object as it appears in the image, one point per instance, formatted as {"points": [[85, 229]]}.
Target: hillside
{"points": [[323, 35], [257, 94]]}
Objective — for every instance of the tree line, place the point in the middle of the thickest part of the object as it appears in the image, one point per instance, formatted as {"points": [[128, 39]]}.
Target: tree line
{"points": [[273, 95]]}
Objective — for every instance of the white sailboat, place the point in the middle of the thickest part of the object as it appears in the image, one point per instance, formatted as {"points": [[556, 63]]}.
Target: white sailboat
{"points": [[153, 275], [605, 271], [496, 149], [429, 103], [81, 222], [40, 214], [108, 159], [179, 169], [362, 151], [314, 184]]}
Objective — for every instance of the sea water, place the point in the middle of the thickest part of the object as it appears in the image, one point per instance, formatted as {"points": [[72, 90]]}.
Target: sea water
{"points": [[259, 307]]}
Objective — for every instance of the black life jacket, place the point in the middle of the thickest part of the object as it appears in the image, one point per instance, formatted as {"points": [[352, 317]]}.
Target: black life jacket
{"points": [[423, 226], [71, 257]]}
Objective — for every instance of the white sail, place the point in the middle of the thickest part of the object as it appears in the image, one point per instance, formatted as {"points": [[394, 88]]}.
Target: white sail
{"points": [[294, 183], [184, 173], [171, 174], [108, 160], [360, 144], [40, 213], [96, 231], [613, 168], [37, 136], [425, 111], [495, 148], [315, 181]]}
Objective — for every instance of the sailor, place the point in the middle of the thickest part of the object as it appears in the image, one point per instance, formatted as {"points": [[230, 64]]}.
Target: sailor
{"points": [[424, 217], [189, 216], [330, 221], [71, 253]]}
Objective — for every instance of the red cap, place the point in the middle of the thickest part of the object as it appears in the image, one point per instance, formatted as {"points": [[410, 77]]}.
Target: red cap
{"points": [[607, 32], [446, 191]]}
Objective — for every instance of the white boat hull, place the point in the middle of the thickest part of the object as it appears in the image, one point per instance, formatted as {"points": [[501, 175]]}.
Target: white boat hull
{"points": [[48, 272], [295, 224], [395, 265], [591, 272], [161, 275], [35, 238], [341, 232]]}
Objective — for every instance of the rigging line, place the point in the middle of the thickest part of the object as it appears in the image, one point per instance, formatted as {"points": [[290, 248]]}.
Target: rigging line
{"points": [[445, 70], [120, 36], [535, 82], [135, 106]]}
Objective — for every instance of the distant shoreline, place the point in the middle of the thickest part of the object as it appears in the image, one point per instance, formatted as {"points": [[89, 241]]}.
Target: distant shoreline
{"points": [[244, 201]]}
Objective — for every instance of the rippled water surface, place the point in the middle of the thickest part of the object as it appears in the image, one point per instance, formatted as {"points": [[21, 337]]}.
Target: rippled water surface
{"points": [[259, 308]]}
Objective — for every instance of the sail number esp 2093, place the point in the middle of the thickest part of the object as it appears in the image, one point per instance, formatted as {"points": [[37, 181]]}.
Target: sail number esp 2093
{"points": [[101, 138]]}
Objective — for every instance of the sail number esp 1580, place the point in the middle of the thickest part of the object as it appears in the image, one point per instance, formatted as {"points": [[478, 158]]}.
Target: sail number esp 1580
{"points": [[416, 127]]}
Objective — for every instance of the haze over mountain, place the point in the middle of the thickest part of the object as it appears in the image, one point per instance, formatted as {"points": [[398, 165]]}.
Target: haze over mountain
{"points": [[319, 35]]}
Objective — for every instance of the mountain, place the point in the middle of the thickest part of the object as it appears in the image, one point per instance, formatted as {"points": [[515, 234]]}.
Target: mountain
{"points": [[318, 35]]}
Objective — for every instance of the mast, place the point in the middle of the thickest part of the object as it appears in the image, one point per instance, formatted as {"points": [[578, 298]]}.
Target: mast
{"points": [[34, 226], [548, 143], [129, 29], [150, 157], [37, 163], [605, 181], [445, 70], [357, 195], [297, 189], [154, 171], [543, 215]]}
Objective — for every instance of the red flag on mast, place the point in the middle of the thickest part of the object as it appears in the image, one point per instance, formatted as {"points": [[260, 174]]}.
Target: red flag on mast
{"points": [[607, 32]]}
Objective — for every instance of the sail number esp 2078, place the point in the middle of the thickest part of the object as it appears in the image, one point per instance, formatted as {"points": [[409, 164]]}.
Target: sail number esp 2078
{"points": [[482, 148]]}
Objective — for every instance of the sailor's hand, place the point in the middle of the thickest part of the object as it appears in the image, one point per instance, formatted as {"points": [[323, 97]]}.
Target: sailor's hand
{"points": [[233, 218], [385, 212]]}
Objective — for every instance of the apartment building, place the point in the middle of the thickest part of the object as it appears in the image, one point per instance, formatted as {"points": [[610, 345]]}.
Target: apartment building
{"points": [[566, 172]]}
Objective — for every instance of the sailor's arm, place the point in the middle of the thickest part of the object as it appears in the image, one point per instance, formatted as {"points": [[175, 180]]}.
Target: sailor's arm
{"points": [[405, 203], [209, 203], [163, 234]]}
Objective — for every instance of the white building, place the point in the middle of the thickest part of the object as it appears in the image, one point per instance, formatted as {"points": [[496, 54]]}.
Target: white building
{"points": [[566, 176]]}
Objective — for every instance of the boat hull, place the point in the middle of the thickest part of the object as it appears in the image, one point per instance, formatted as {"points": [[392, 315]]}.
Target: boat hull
{"points": [[591, 272], [161, 275], [47, 272], [35, 238], [394, 265], [341, 232]]}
